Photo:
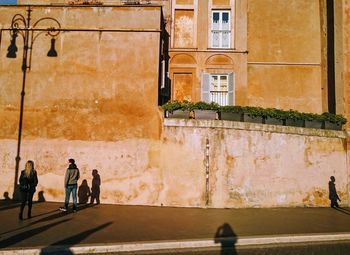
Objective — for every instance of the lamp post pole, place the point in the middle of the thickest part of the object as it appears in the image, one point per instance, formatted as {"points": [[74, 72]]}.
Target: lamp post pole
{"points": [[22, 26], [24, 74]]}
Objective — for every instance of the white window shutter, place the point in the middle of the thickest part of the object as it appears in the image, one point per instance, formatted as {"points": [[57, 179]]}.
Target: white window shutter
{"points": [[205, 90], [231, 89], [162, 86]]}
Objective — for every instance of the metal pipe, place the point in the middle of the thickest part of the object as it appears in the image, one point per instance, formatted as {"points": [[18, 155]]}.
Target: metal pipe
{"points": [[0, 37]]}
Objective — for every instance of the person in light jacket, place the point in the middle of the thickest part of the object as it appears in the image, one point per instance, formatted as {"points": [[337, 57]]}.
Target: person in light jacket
{"points": [[71, 184]]}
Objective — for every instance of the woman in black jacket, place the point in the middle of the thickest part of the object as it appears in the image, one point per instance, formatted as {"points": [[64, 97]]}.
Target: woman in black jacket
{"points": [[27, 185]]}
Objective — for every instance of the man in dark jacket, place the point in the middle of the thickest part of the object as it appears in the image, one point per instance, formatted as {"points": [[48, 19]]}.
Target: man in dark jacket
{"points": [[71, 184]]}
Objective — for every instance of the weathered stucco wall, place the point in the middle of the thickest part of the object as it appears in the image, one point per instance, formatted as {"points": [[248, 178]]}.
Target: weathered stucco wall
{"points": [[284, 44], [97, 80], [255, 165], [251, 165], [101, 88], [97, 103], [345, 35]]}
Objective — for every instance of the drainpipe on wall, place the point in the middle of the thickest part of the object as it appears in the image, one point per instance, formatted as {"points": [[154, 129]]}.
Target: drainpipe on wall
{"points": [[0, 37], [330, 57], [207, 172]]}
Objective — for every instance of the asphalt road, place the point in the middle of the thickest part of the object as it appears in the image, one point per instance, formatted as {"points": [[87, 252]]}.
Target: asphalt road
{"points": [[334, 248]]}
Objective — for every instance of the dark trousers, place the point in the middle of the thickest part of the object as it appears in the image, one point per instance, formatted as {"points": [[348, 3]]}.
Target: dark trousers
{"points": [[26, 197]]}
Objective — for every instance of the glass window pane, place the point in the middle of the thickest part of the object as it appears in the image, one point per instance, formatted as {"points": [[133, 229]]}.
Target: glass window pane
{"points": [[216, 39], [225, 21], [225, 17], [223, 83], [225, 39], [214, 82], [216, 18]]}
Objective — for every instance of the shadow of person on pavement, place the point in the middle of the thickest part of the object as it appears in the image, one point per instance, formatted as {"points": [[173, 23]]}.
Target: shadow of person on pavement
{"points": [[95, 187], [84, 192], [63, 246], [227, 238], [28, 234], [342, 210], [333, 195], [8, 203], [32, 223], [6, 196], [58, 214], [41, 197], [16, 196]]}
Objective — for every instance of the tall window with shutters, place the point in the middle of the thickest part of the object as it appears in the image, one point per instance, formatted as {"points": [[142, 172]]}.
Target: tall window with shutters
{"points": [[218, 88], [220, 29]]}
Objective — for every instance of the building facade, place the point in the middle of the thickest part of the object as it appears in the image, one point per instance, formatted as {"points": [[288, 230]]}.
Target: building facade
{"points": [[98, 100]]}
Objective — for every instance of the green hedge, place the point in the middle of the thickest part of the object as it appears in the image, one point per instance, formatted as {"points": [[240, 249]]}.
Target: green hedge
{"points": [[255, 111]]}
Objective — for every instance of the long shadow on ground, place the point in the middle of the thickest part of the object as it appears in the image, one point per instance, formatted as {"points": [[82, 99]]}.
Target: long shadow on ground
{"points": [[27, 234], [63, 246]]}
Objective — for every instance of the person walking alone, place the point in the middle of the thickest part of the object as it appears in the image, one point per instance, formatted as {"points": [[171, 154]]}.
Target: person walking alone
{"points": [[71, 184], [28, 181]]}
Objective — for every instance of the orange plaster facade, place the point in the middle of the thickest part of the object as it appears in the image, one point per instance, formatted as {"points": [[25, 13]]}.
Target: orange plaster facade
{"points": [[278, 56], [89, 84], [191, 53], [101, 89], [346, 54], [98, 101], [345, 34]]}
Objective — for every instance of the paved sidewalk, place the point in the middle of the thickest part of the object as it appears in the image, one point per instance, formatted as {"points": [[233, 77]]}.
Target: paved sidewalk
{"points": [[104, 228]]}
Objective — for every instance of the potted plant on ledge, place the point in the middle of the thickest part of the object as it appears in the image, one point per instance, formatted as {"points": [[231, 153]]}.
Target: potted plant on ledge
{"points": [[313, 120], [231, 112], [204, 110], [253, 114], [333, 121], [177, 109], [294, 118], [275, 116]]}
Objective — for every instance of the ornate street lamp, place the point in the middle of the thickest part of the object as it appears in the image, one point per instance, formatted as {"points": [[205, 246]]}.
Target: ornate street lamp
{"points": [[21, 25]]}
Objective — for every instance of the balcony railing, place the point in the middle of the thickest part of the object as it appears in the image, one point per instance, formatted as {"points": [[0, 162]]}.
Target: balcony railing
{"points": [[220, 97]]}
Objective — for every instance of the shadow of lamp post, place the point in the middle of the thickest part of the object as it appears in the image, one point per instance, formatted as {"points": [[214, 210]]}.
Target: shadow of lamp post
{"points": [[21, 25]]}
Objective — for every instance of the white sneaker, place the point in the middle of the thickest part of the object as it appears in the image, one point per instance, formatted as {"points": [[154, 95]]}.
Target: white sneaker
{"points": [[63, 209]]}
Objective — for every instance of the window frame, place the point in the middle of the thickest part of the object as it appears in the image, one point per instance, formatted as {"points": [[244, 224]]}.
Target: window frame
{"points": [[220, 30], [207, 89], [213, 91]]}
